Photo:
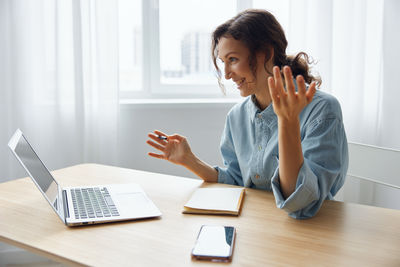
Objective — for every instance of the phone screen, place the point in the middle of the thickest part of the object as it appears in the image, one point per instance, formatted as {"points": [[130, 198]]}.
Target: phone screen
{"points": [[214, 243]]}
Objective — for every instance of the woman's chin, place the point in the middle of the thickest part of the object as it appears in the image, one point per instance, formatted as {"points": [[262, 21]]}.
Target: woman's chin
{"points": [[244, 92]]}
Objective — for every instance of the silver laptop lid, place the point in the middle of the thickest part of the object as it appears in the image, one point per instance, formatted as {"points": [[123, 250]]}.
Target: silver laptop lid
{"points": [[37, 171]]}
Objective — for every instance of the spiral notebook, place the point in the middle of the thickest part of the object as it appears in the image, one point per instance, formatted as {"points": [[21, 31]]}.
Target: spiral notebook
{"points": [[224, 201]]}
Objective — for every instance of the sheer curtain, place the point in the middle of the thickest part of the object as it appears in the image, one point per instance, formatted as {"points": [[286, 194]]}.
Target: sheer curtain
{"points": [[355, 44], [59, 81]]}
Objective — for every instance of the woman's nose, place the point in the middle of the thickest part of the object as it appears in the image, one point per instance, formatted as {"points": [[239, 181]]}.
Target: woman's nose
{"points": [[228, 73]]}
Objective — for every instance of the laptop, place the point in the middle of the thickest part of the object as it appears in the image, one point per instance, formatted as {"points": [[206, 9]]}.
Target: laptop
{"points": [[84, 204]]}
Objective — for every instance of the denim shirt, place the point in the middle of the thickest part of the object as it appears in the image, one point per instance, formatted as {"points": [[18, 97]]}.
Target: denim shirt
{"points": [[249, 148]]}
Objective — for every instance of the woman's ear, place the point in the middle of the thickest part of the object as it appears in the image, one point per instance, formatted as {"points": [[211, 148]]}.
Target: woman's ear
{"points": [[269, 60]]}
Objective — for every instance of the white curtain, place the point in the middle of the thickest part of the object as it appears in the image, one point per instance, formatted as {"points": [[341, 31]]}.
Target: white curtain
{"points": [[355, 44], [59, 81]]}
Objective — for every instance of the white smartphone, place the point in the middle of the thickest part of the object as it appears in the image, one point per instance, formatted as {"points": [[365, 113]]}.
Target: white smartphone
{"points": [[215, 243]]}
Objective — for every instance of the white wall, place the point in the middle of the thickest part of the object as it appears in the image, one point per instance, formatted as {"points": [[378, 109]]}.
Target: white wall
{"points": [[201, 123]]}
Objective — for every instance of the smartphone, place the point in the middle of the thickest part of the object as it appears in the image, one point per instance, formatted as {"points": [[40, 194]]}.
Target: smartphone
{"points": [[215, 243]]}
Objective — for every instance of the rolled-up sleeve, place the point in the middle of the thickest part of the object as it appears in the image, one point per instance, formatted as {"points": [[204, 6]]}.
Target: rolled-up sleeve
{"points": [[231, 173], [322, 173]]}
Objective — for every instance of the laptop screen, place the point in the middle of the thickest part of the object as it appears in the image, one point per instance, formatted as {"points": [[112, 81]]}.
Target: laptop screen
{"points": [[36, 169]]}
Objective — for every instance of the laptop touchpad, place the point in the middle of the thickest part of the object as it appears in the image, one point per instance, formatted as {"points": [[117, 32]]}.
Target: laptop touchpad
{"points": [[132, 202]]}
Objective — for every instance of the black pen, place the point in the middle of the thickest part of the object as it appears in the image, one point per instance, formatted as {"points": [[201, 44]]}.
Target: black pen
{"points": [[162, 137]]}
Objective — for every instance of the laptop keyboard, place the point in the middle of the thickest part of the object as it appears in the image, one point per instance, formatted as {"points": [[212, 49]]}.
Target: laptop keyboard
{"points": [[93, 202]]}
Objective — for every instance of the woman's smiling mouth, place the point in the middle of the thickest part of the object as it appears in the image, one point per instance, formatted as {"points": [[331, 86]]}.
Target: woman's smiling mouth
{"points": [[240, 82]]}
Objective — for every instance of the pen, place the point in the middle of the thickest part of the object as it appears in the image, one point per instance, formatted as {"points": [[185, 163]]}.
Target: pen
{"points": [[162, 137]]}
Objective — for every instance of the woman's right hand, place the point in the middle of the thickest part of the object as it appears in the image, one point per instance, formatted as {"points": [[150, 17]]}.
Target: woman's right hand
{"points": [[175, 148]]}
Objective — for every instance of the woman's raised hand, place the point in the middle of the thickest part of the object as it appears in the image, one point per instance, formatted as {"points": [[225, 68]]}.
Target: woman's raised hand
{"points": [[288, 103], [174, 148]]}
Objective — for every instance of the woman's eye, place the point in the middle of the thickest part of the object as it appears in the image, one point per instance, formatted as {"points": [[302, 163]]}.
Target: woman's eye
{"points": [[232, 59]]}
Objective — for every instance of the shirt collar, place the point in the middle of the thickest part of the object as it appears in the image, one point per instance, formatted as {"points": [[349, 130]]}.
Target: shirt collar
{"points": [[252, 108], [268, 114]]}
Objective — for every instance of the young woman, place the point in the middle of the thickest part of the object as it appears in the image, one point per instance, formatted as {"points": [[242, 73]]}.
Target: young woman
{"points": [[286, 137]]}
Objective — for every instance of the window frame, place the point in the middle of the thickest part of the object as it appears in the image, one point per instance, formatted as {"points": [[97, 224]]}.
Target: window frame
{"points": [[151, 78]]}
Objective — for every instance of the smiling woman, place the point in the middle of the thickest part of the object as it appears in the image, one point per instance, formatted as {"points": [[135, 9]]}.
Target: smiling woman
{"points": [[286, 137], [257, 52]]}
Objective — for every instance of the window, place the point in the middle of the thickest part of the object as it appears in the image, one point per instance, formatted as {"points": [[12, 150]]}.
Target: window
{"points": [[165, 47], [130, 33], [185, 39]]}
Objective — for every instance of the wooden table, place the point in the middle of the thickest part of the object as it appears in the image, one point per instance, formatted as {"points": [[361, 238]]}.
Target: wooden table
{"points": [[340, 234]]}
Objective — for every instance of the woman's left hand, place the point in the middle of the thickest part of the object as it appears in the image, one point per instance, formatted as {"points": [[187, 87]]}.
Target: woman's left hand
{"points": [[288, 103]]}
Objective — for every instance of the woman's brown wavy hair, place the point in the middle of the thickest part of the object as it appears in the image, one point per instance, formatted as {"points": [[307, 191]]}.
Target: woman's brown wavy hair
{"points": [[259, 31]]}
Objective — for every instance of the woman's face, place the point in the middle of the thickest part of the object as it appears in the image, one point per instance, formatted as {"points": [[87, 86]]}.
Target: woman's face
{"points": [[235, 56]]}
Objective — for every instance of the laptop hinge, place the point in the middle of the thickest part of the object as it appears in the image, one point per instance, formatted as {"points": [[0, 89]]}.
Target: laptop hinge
{"points": [[65, 204]]}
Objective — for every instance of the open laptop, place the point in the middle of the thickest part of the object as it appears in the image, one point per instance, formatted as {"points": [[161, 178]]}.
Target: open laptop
{"points": [[85, 204]]}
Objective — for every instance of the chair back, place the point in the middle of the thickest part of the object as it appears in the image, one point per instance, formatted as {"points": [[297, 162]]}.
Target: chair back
{"points": [[373, 177]]}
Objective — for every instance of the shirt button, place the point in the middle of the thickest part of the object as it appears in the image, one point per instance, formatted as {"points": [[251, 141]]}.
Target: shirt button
{"points": [[259, 148], [259, 116], [257, 176]]}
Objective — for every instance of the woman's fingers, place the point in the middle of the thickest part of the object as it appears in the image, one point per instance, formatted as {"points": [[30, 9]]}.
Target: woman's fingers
{"points": [[288, 102], [290, 88], [173, 148], [176, 137], [311, 91], [278, 81], [159, 156], [273, 91], [301, 86], [160, 133], [157, 139], [155, 145]]}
